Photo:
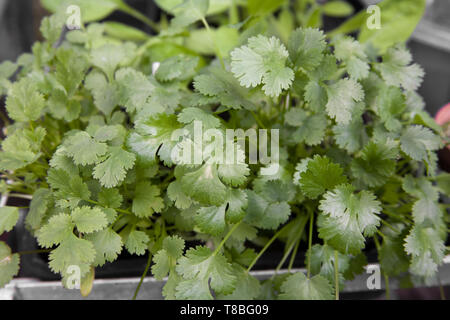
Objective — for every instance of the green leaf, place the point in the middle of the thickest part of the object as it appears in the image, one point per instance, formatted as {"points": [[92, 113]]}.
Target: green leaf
{"points": [[342, 98], [137, 242], [177, 68], [417, 140], [9, 264], [57, 229], [38, 208], [188, 12], [176, 194], [337, 8], [84, 149], [390, 106], [376, 164], [264, 214], [107, 245], [154, 134], [263, 60], [352, 54], [311, 128], [89, 11], [134, 88], [298, 287], [427, 250], [211, 220], [112, 171], [397, 69], [247, 286], [72, 251], [347, 217], [320, 175], [88, 220], [189, 115], [393, 259], [221, 85], [204, 185], [110, 198], [109, 56], [8, 218], [237, 203], [165, 259], [198, 267], [147, 200], [351, 136], [70, 69], [24, 101], [323, 261], [71, 189], [124, 32], [306, 47], [105, 94], [263, 7], [19, 150]]}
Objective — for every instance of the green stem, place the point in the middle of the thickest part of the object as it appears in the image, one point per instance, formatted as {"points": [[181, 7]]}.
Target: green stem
{"points": [[221, 244], [136, 14], [117, 209], [294, 254], [336, 273], [386, 283], [233, 13], [149, 260], [276, 235], [285, 256], [386, 278], [390, 226], [258, 120], [211, 38], [311, 223]]}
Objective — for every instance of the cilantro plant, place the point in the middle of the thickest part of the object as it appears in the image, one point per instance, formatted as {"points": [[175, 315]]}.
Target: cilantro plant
{"points": [[90, 121]]}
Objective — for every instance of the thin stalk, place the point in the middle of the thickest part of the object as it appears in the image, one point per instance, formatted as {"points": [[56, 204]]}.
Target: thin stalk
{"points": [[149, 260], [211, 37], [389, 226], [294, 254], [311, 223], [285, 256], [233, 14], [276, 235], [136, 14], [386, 278], [258, 120], [336, 273], [221, 244], [386, 283], [117, 209]]}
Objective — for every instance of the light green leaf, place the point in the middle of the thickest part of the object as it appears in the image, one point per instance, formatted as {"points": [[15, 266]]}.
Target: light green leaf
{"points": [[263, 60], [112, 171], [342, 98], [9, 264], [88, 220], [298, 287], [8, 218], [146, 200]]}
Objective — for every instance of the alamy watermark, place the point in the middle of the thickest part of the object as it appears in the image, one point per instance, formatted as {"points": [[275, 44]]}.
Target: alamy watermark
{"points": [[74, 17], [374, 20]]}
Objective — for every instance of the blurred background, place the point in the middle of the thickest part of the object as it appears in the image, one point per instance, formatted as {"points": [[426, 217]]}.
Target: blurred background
{"points": [[430, 43]]}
